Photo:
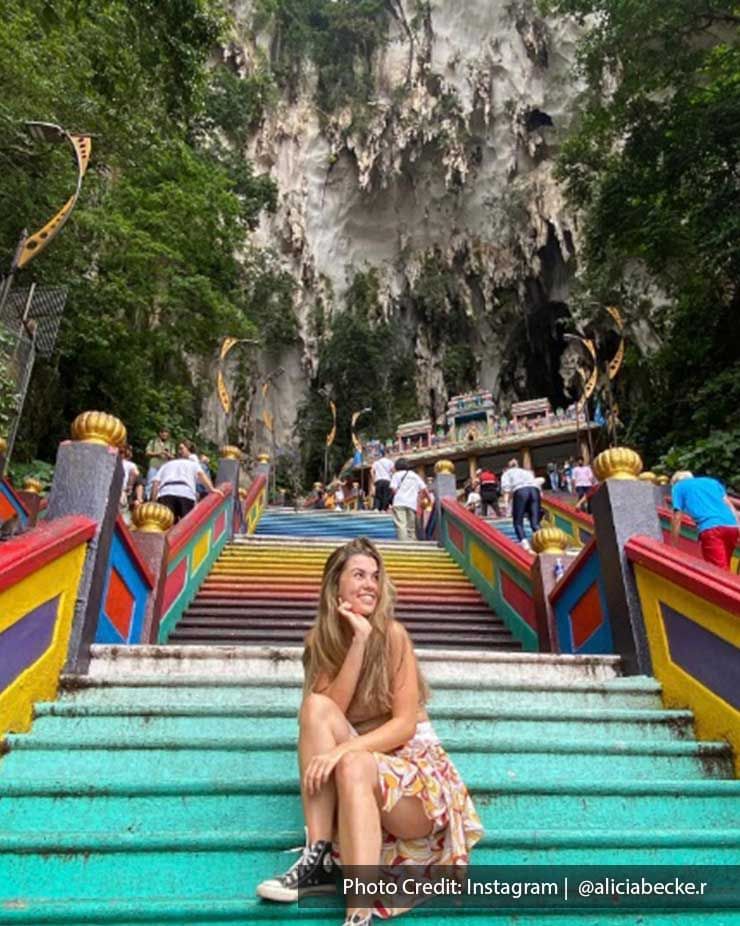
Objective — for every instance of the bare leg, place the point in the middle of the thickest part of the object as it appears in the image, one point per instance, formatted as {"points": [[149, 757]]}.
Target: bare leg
{"points": [[358, 790], [322, 727]]}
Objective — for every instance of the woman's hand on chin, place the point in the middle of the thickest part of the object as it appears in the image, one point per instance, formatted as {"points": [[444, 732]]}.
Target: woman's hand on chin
{"points": [[319, 769], [360, 625]]}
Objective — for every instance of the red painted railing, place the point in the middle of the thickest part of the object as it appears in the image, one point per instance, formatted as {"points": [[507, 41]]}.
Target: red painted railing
{"points": [[570, 510], [181, 534], [31, 551], [517, 555], [702, 579]]}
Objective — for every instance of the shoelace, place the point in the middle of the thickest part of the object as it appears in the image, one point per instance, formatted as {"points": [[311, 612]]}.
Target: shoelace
{"points": [[308, 859]]}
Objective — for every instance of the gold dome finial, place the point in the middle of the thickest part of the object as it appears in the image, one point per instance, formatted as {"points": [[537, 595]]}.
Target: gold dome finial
{"points": [[32, 484], [444, 466], [152, 518], [263, 457], [229, 452], [3, 445], [99, 428], [550, 540], [617, 463], [662, 480], [648, 476]]}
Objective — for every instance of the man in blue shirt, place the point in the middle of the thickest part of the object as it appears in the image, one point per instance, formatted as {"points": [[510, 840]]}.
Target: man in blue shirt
{"points": [[705, 500]]}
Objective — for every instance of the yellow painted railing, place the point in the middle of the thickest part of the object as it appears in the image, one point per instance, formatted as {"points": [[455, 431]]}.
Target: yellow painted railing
{"points": [[39, 576]]}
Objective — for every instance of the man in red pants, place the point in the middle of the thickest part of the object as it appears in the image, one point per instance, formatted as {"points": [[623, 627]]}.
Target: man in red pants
{"points": [[705, 500]]}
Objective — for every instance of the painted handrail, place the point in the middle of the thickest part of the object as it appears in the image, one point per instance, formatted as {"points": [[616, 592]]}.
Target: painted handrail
{"points": [[500, 569], [579, 606], [688, 539], [254, 503], [39, 577], [127, 587], [691, 611], [578, 525], [184, 531], [194, 544]]}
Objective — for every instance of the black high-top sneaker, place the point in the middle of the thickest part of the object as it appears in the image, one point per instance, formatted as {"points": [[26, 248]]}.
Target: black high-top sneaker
{"points": [[359, 919], [313, 873]]}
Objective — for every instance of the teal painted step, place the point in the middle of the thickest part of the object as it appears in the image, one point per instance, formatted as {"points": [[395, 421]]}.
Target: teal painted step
{"points": [[558, 760], [191, 865], [42, 808], [337, 525], [602, 727], [214, 910]]}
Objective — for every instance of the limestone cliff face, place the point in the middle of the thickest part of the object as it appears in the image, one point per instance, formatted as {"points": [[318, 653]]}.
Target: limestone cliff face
{"points": [[450, 165]]}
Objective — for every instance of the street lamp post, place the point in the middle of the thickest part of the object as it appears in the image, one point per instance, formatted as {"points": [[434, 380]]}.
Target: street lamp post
{"points": [[269, 420], [325, 392], [30, 246]]}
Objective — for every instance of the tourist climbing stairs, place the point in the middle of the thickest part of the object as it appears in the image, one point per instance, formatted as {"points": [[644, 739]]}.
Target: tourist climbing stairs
{"points": [[163, 786], [265, 590]]}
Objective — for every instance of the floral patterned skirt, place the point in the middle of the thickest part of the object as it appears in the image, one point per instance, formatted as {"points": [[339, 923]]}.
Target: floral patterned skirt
{"points": [[421, 768]]}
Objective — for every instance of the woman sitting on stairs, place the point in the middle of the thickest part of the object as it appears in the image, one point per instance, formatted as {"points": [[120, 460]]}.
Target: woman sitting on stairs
{"points": [[377, 786]]}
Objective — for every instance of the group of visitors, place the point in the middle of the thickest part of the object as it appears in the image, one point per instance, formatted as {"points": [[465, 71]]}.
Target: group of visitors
{"points": [[520, 489], [176, 476], [574, 477], [410, 498]]}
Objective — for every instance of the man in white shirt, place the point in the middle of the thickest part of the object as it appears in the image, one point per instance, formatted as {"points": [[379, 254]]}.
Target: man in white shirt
{"points": [[406, 486], [176, 482], [520, 485], [381, 472]]}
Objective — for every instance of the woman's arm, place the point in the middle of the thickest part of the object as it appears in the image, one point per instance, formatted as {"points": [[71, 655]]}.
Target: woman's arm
{"points": [[405, 703], [396, 731], [342, 689]]}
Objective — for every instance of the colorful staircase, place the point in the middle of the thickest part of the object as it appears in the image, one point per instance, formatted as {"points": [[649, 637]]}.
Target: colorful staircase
{"points": [[335, 525], [163, 787], [265, 590]]}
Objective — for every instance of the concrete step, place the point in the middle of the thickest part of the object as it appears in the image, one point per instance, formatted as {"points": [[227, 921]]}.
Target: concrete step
{"points": [[146, 692], [461, 638], [454, 669]]}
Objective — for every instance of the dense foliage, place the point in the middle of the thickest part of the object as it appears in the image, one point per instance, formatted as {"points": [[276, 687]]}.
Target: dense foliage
{"points": [[149, 254], [362, 364], [653, 163], [340, 37]]}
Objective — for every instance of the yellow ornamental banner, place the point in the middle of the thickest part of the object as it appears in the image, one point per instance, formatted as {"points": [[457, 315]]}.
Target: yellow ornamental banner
{"points": [[223, 394], [333, 433]]}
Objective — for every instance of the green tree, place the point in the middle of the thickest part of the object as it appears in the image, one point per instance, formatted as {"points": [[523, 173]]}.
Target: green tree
{"points": [[653, 163], [149, 255]]}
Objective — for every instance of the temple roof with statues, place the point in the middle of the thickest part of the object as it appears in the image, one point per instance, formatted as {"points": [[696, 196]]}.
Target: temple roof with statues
{"points": [[475, 428]]}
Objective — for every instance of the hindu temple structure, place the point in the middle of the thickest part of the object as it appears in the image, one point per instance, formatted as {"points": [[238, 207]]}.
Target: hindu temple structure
{"points": [[474, 434]]}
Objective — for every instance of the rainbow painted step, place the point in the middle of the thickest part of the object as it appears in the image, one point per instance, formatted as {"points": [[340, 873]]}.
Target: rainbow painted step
{"points": [[162, 787], [337, 525], [265, 590]]}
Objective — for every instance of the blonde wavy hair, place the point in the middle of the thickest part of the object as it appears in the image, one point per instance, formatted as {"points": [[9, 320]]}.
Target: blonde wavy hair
{"points": [[329, 639]]}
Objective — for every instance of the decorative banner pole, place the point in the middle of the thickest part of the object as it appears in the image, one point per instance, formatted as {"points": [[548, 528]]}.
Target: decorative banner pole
{"points": [[612, 368], [29, 246], [268, 419], [223, 392], [330, 439]]}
